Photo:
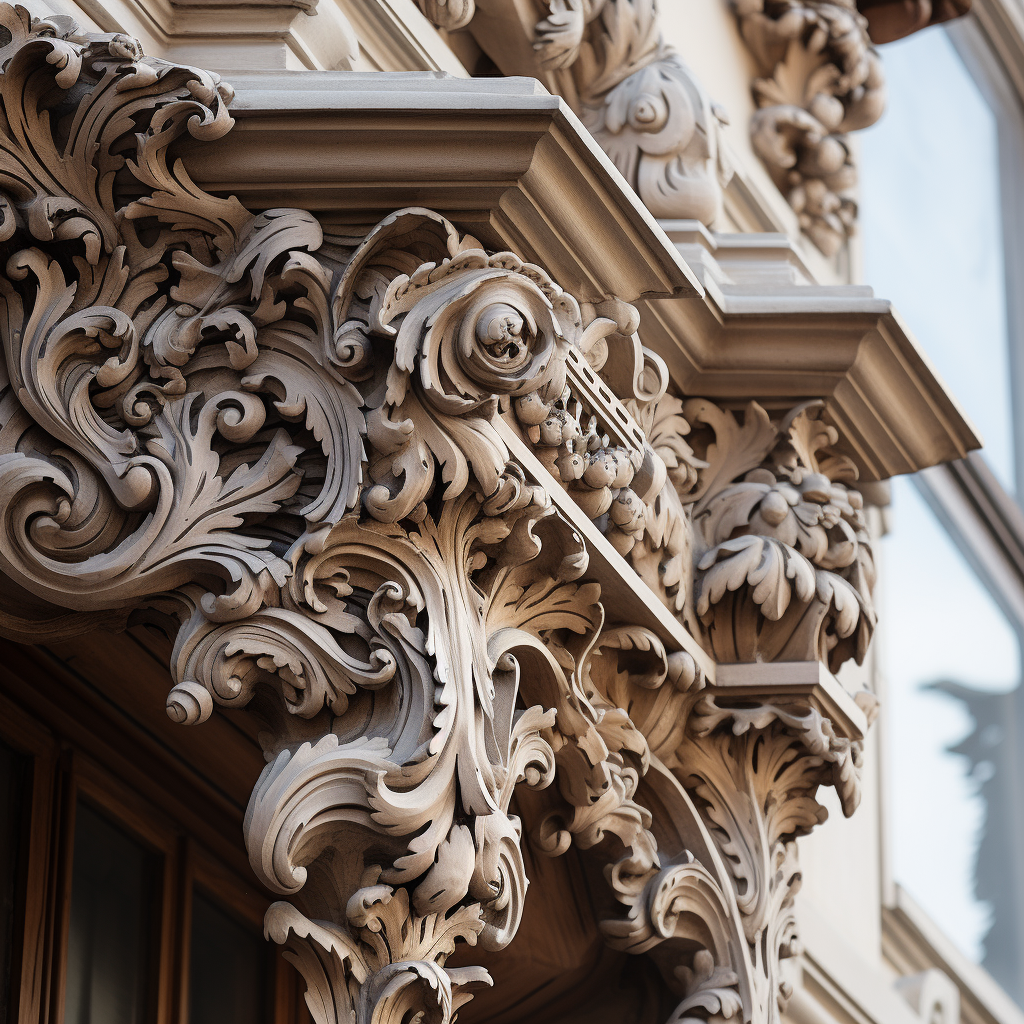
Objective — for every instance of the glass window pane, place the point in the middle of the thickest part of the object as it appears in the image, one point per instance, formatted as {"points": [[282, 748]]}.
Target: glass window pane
{"points": [[13, 769], [228, 970], [942, 627], [930, 215], [113, 918]]}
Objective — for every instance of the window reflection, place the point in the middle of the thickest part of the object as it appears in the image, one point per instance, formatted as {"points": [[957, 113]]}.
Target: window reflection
{"points": [[931, 221], [228, 969], [113, 902], [929, 592]]}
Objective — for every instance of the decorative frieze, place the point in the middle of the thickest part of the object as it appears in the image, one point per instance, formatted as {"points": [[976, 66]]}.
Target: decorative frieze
{"points": [[819, 79], [294, 459]]}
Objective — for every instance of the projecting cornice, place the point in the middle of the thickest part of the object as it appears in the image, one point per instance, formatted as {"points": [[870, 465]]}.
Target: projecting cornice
{"points": [[734, 316], [447, 524], [764, 331], [509, 160]]}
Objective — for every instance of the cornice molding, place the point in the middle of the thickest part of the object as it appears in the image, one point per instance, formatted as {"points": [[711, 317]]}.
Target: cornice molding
{"points": [[359, 476], [915, 945], [185, 18], [763, 332], [609, 60], [545, 190], [532, 177], [226, 34]]}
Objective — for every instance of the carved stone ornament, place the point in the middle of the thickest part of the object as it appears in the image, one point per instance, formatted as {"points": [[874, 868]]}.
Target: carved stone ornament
{"points": [[820, 78], [610, 62], [296, 460]]}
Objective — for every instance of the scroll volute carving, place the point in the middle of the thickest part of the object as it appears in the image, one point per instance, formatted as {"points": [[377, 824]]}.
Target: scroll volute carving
{"points": [[733, 785], [642, 103], [293, 461], [820, 79], [393, 827], [610, 62], [754, 772]]}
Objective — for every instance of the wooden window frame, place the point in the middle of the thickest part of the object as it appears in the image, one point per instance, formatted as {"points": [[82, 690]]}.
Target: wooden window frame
{"points": [[60, 772]]}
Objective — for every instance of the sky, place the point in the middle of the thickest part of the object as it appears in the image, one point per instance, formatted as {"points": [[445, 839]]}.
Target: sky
{"points": [[930, 228]]}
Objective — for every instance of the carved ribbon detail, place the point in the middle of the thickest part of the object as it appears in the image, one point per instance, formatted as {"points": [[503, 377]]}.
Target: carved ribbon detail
{"points": [[297, 461]]}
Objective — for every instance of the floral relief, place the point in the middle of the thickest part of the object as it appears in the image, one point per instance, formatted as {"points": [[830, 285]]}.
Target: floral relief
{"points": [[298, 464], [820, 78]]}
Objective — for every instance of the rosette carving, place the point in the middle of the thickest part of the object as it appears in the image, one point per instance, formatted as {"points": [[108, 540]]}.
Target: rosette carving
{"points": [[470, 335], [294, 466], [820, 79]]}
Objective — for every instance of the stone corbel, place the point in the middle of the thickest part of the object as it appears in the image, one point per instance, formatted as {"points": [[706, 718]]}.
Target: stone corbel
{"points": [[610, 62], [820, 78], [296, 458], [205, 422], [756, 539], [293, 464]]}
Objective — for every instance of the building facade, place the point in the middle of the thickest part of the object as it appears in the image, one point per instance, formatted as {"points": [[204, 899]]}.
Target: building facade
{"points": [[443, 453]]}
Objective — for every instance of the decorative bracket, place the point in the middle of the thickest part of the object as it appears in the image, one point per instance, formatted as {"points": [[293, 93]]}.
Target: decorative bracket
{"points": [[291, 457]]}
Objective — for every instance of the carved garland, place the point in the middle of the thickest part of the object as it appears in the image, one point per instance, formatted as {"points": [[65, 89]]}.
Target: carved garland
{"points": [[820, 79], [296, 466]]}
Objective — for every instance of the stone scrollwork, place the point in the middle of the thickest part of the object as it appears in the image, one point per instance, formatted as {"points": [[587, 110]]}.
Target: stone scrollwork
{"points": [[754, 774], [739, 775], [296, 460], [820, 78], [641, 102], [747, 525], [610, 62]]}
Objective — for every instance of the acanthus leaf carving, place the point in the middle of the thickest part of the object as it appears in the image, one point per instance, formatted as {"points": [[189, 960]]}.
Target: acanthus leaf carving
{"points": [[296, 462], [754, 772], [611, 63], [782, 551], [646, 108], [820, 79]]}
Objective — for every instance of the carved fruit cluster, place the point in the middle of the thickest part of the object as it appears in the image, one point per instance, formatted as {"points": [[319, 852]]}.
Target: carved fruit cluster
{"points": [[821, 79]]}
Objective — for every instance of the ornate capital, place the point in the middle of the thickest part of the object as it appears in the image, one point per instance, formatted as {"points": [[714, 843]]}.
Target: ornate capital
{"points": [[820, 78], [297, 459]]}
